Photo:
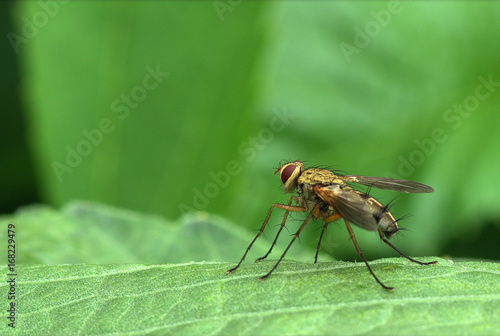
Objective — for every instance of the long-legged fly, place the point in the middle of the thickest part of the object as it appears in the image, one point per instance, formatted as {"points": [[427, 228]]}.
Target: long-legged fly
{"points": [[328, 196]]}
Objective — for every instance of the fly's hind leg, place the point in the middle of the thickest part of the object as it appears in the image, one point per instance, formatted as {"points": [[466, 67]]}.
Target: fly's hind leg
{"points": [[351, 233], [401, 253], [288, 208]]}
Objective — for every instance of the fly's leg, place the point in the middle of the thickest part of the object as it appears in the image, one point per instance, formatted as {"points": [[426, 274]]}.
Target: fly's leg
{"points": [[293, 198], [327, 220], [319, 242], [275, 205], [401, 253], [351, 233], [293, 239]]}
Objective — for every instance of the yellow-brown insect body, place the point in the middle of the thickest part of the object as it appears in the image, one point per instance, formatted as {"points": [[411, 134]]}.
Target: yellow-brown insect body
{"points": [[375, 215], [328, 196], [316, 177]]}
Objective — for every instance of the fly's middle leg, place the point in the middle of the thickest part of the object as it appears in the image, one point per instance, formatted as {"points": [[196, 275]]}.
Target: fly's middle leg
{"points": [[327, 220]]}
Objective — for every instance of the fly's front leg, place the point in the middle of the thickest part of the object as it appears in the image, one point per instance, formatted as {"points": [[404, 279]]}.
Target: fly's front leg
{"points": [[293, 198], [288, 247], [288, 208]]}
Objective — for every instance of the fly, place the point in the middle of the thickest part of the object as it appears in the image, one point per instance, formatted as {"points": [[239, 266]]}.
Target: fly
{"points": [[328, 196]]}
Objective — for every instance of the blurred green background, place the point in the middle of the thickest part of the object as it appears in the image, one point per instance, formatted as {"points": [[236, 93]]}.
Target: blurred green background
{"points": [[173, 107]]}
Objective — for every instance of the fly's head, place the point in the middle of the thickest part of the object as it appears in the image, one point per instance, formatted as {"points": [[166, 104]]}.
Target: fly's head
{"points": [[289, 174]]}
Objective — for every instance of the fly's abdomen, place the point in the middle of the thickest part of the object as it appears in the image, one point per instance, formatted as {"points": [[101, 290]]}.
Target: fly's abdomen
{"points": [[386, 222]]}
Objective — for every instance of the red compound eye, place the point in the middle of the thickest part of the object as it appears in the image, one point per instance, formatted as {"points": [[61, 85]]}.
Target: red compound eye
{"points": [[287, 172]]}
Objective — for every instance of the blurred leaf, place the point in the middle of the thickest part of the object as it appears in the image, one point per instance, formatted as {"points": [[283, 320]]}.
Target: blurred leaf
{"points": [[206, 138], [199, 299], [16, 172], [145, 103], [91, 233]]}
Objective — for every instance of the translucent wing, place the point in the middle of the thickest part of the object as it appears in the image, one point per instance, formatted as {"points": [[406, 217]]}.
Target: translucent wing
{"points": [[403, 186], [356, 207]]}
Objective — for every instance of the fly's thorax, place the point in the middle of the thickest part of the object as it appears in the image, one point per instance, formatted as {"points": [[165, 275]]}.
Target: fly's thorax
{"points": [[308, 196], [289, 175], [386, 222], [312, 177], [315, 176]]}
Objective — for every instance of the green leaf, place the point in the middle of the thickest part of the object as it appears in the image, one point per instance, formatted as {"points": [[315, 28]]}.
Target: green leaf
{"points": [[185, 295], [338, 298], [155, 294]]}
